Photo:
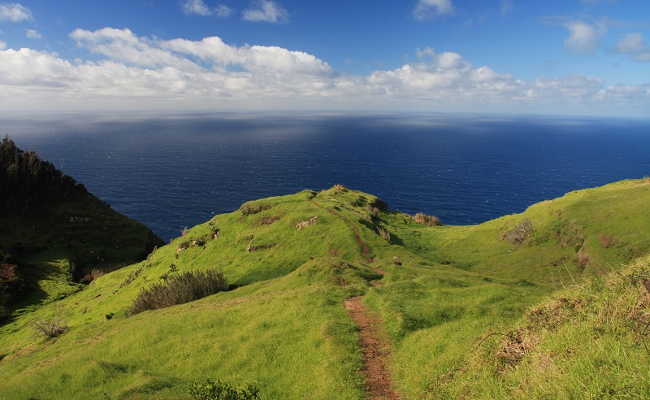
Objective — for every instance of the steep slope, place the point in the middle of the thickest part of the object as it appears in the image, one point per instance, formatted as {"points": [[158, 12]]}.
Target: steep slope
{"points": [[54, 233], [293, 261], [590, 341]]}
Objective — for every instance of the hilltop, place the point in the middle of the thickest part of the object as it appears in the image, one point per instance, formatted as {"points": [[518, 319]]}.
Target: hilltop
{"points": [[55, 234], [330, 294]]}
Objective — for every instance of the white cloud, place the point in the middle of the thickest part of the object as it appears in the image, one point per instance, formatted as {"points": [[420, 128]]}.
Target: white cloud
{"points": [[223, 11], [266, 11], [260, 59], [122, 45], [209, 74], [33, 34], [635, 46], [3, 45], [584, 37], [428, 8], [14, 12], [199, 7], [196, 7], [425, 52]]}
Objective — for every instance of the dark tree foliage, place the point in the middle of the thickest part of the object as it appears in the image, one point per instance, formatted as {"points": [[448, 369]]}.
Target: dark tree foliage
{"points": [[28, 183]]}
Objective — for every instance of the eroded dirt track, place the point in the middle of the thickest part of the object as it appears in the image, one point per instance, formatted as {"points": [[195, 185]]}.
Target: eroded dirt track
{"points": [[375, 351]]}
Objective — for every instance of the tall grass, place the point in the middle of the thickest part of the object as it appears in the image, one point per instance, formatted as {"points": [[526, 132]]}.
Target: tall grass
{"points": [[179, 289]]}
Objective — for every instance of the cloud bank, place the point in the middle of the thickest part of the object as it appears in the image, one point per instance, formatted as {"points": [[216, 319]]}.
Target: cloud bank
{"points": [[209, 74]]}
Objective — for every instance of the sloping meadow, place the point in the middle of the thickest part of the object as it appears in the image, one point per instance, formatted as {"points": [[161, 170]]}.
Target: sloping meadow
{"points": [[289, 263]]}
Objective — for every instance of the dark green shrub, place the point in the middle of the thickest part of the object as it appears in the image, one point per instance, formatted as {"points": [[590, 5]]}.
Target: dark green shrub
{"points": [[217, 390], [179, 289], [360, 201]]}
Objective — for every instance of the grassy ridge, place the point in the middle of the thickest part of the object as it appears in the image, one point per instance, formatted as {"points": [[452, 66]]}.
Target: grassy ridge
{"points": [[284, 327]]}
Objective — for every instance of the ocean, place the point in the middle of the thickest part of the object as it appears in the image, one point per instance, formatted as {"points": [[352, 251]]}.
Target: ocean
{"points": [[175, 171]]}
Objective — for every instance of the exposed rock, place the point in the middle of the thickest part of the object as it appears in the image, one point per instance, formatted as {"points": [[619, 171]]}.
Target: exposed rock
{"points": [[304, 224]]}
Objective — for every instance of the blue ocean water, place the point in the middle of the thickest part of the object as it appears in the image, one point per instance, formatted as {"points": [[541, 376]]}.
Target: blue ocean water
{"points": [[178, 171]]}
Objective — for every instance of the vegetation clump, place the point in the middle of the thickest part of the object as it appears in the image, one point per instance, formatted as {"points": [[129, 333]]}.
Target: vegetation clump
{"points": [[428, 220], [519, 233], [217, 390], [179, 289], [384, 233], [50, 328], [514, 347], [254, 208], [379, 204], [269, 220]]}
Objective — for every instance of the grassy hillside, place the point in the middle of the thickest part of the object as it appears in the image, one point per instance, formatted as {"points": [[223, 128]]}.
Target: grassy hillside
{"points": [[292, 261], [590, 341], [56, 234]]}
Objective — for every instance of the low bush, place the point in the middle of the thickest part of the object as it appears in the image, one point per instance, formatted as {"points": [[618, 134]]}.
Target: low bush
{"points": [[217, 390], [428, 220], [179, 289], [50, 328]]}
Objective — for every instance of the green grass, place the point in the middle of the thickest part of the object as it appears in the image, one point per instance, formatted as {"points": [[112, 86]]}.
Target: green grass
{"points": [[587, 342], [284, 328]]}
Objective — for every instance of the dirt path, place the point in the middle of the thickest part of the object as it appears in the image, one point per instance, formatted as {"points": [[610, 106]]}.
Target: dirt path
{"points": [[375, 351]]}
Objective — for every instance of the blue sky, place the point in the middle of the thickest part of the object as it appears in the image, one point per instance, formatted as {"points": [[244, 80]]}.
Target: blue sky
{"points": [[522, 56]]}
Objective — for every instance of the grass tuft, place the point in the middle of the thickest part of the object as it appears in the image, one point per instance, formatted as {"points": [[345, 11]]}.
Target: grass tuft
{"points": [[179, 289], [50, 328], [217, 390]]}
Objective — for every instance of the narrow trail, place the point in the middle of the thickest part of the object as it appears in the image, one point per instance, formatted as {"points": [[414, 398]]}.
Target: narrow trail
{"points": [[375, 351]]}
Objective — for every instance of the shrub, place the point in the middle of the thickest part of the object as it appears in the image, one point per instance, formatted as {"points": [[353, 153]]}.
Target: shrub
{"points": [[179, 289], [217, 390], [360, 201], [428, 220], [50, 328], [379, 204]]}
